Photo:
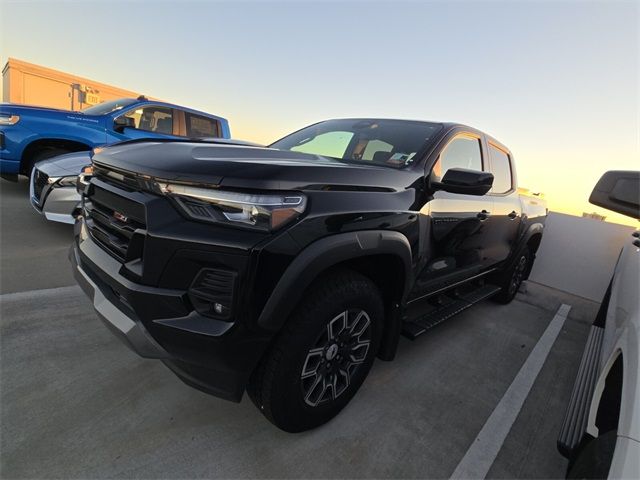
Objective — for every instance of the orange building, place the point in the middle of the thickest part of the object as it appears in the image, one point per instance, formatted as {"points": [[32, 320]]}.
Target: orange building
{"points": [[31, 84]]}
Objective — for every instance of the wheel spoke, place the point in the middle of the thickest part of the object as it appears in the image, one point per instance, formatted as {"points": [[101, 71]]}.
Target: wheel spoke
{"points": [[337, 325], [318, 382], [359, 352], [360, 324], [312, 362]]}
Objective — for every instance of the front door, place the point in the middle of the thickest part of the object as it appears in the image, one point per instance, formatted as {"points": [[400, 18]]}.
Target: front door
{"points": [[456, 226], [149, 121]]}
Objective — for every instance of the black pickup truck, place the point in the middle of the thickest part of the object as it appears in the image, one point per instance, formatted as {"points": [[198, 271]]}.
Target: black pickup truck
{"points": [[285, 270]]}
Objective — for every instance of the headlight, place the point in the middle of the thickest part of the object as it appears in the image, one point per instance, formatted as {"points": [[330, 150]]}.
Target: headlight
{"points": [[84, 178], [6, 119], [257, 211], [67, 181]]}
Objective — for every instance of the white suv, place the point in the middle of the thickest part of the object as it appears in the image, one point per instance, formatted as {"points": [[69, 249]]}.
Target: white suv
{"points": [[601, 431]]}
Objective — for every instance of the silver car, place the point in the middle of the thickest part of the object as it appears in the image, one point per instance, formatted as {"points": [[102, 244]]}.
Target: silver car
{"points": [[53, 185]]}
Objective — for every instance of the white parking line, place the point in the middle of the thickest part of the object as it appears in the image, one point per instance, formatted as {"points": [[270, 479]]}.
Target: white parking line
{"points": [[485, 447], [45, 292]]}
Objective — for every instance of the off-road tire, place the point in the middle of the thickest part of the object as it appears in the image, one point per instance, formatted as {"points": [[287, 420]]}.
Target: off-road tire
{"points": [[511, 280], [276, 387]]}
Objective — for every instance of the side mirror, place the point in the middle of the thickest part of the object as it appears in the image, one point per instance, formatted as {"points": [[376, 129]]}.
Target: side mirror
{"points": [[618, 191], [122, 122], [465, 181]]}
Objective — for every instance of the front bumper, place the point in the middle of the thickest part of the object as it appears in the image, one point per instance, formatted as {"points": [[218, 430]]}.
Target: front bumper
{"points": [[212, 355], [131, 333], [55, 202]]}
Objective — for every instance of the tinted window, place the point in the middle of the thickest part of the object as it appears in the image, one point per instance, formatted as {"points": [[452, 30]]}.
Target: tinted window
{"points": [[501, 169], [390, 143], [462, 152], [152, 119], [200, 127]]}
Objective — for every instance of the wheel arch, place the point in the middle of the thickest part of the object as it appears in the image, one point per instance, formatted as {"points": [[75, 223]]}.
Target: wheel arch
{"points": [[43, 143], [606, 405], [382, 256], [534, 240]]}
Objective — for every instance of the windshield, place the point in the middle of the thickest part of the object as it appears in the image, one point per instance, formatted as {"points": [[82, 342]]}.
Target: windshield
{"points": [[108, 107], [390, 143]]}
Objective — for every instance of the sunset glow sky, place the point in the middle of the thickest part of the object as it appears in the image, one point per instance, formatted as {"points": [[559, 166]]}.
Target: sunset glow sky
{"points": [[557, 82]]}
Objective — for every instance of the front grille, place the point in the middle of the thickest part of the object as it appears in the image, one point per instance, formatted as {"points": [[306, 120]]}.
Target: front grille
{"points": [[116, 223], [40, 180], [124, 180]]}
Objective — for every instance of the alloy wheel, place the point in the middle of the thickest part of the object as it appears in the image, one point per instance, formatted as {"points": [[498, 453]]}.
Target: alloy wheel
{"points": [[518, 275], [338, 352]]}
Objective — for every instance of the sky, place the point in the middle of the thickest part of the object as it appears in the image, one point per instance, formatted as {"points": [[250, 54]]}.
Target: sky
{"points": [[557, 82]]}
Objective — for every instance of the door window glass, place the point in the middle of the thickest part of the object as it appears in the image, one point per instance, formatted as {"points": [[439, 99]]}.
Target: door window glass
{"points": [[200, 127], [501, 169], [462, 152], [152, 119]]}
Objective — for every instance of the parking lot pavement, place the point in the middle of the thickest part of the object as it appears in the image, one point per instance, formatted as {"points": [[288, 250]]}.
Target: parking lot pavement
{"points": [[33, 251], [75, 402]]}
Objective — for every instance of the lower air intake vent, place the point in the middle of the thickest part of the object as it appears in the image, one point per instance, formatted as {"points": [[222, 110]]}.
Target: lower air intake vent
{"points": [[212, 293]]}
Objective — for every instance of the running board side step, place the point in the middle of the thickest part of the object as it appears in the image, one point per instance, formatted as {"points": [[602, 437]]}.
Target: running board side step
{"points": [[575, 421], [416, 327]]}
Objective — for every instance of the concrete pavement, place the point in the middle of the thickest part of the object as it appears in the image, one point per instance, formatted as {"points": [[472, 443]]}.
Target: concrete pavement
{"points": [[76, 403]]}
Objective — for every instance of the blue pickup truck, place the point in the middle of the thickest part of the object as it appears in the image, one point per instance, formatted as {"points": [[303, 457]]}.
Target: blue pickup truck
{"points": [[30, 134]]}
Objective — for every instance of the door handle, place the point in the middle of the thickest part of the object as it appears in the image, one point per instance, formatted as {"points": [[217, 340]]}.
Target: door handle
{"points": [[513, 215], [636, 242], [635, 234], [483, 215]]}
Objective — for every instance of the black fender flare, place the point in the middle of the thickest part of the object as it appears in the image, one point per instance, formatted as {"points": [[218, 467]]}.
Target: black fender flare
{"points": [[323, 254], [536, 228]]}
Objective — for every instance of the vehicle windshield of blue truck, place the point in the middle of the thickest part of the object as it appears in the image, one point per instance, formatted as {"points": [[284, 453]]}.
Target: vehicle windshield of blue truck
{"points": [[389, 143], [108, 107]]}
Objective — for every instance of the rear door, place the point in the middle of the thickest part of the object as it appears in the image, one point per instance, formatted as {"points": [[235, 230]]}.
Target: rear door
{"points": [[507, 208]]}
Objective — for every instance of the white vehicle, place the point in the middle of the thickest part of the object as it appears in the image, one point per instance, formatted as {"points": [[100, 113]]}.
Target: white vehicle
{"points": [[601, 431]]}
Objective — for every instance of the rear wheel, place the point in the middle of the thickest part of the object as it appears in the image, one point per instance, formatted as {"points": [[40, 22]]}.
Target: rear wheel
{"points": [[594, 460], [322, 355], [512, 279]]}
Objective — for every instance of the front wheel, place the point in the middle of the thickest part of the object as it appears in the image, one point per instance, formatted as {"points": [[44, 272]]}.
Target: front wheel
{"points": [[322, 355], [512, 279], [42, 154]]}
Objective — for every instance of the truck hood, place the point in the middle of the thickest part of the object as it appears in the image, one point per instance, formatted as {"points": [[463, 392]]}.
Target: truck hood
{"points": [[241, 166], [65, 165], [46, 113], [17, 108]]}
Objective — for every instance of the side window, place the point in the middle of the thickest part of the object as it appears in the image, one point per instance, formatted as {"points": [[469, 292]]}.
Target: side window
{"points": [[330, 144], [152, 119], [462, 152], [501, 169], [200, 127]]}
